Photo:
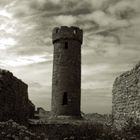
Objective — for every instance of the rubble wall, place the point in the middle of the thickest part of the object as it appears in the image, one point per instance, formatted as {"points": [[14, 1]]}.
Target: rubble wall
{"points": [[126, 97], [14, 101]]}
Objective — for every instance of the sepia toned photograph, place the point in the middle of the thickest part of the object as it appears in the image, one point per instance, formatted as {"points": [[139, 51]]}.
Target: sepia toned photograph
{"points": [[69, 69]]}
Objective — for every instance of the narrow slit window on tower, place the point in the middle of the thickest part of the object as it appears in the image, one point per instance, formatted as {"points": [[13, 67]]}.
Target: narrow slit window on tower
{"points": [[65, 98], [66, 45]]}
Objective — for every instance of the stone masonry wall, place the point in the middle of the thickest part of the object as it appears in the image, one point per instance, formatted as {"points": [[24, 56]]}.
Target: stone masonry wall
{"points": [[126, 97], [14, 102], [66, 71]]}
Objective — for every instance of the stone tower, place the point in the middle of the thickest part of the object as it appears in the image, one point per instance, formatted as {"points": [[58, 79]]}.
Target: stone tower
{"points": [[66, 82]]}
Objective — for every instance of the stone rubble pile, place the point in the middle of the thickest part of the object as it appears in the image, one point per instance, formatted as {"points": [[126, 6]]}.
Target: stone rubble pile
{"points": [[11, 130]]}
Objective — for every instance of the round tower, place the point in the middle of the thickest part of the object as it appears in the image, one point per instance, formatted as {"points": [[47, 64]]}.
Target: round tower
{"points": [[66, 81]]}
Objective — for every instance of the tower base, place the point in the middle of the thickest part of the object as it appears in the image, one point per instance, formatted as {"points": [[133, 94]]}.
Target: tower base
{"points": [[65, 119]]}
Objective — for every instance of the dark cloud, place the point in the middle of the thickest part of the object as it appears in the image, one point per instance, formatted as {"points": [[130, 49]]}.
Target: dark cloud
{"points": [[47, 8], [44, 6]]}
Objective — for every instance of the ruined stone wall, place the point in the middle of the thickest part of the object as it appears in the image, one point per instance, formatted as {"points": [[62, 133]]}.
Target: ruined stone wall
{"points": [[14, 102], [126, 97]]}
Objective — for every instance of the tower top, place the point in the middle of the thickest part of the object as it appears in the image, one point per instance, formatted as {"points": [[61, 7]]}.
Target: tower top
{"points": [[64, 32]]}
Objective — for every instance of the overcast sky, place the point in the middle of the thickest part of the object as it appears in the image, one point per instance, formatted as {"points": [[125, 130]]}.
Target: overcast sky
{"points": [[111, 44]]}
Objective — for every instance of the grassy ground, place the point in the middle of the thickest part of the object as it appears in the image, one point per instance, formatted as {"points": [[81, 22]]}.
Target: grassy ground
{"points": [[11, 130]]}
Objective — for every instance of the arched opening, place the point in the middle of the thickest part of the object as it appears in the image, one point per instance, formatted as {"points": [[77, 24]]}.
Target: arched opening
{"points": [[65, 98]]}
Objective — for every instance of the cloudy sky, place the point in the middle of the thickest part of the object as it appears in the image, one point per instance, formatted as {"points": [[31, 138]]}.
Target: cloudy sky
{"points": [[111, 44]]}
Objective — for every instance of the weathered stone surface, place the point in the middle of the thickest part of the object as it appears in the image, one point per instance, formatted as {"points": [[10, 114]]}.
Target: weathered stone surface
{"points": [[66, 82], [14, 102], [126, 97]]}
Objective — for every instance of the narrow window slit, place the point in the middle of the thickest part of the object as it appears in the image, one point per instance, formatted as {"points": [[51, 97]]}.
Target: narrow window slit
{"points": [[66, 45], [65, 98]]}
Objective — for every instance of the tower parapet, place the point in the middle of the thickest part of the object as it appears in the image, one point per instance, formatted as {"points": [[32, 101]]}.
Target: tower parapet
{"points": [[70, 33]]}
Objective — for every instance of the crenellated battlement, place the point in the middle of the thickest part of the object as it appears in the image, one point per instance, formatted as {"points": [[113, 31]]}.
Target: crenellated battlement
{"points": [[64, 32]]}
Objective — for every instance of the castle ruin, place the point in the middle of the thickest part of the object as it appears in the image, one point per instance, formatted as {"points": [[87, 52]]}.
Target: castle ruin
{"points": [[14, 100], [126, 97], [66, 81]]}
